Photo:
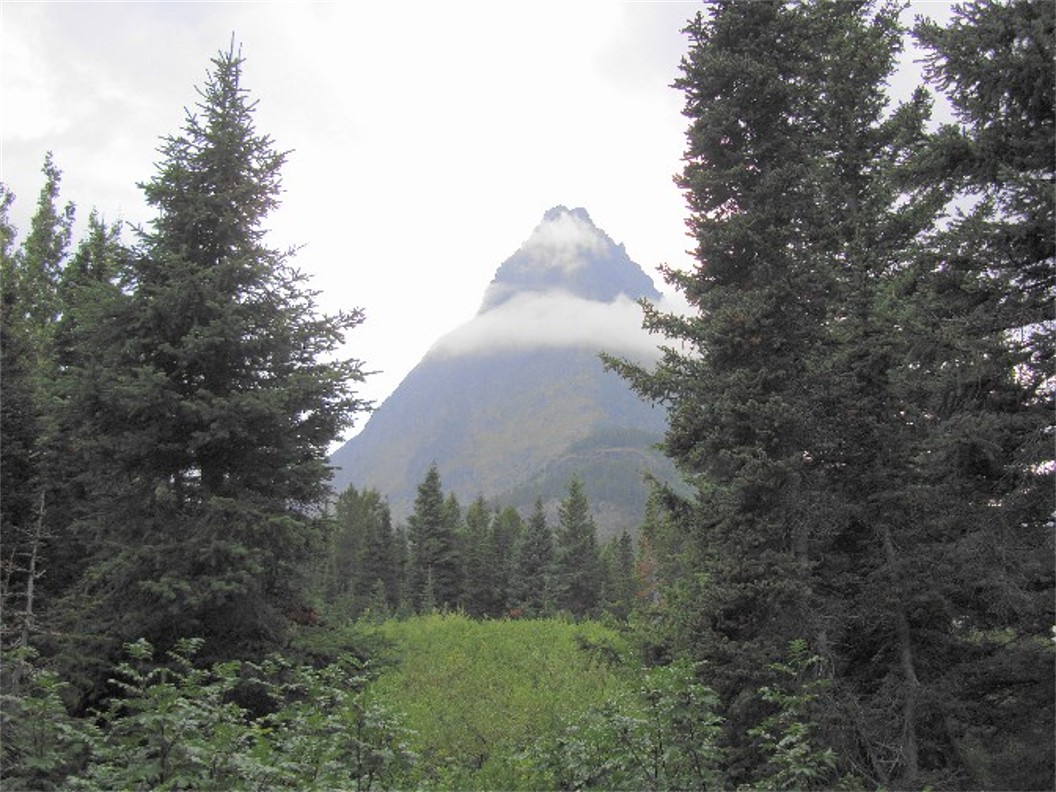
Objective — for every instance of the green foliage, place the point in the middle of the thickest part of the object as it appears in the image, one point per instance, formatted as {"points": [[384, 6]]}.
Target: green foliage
{"points": [[480, 695], [434, 577], [40, 744], [577, 560], [794, 759], [173, 725], [328, 735], [170, 726], [201, 398], [662, 734]]}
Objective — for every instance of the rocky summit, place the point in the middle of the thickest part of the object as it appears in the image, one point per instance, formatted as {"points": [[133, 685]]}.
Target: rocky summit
{"points": [[516, 401]]}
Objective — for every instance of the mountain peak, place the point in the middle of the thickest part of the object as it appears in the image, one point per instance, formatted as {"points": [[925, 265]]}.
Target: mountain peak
{"points": [[568, 253]]}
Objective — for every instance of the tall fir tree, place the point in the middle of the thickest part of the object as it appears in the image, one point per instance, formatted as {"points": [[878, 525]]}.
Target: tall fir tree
{"points": [[787, 411], [434, 575], [618, 562], [982, 386], [531, 585], [214, 397], [507, 531], [31, 308], [577, 560], [361, 554], [482, 578]]}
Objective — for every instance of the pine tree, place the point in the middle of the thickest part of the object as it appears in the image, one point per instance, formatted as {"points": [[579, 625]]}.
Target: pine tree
{"points": [[577, 561], [618, 595], [507, 531], [31, 308], [214, 397], [785, 406], [982, 387], [482, 591], [531, 585], [434, 576], [362, 552], [19, 428], [40, 260]]}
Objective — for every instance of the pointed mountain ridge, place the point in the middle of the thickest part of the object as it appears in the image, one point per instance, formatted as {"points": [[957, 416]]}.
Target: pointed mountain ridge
{"points": [[567, 252], [516, 400]]}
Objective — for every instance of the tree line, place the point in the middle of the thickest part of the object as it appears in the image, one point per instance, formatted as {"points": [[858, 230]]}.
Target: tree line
{"points": [[485, 561]]}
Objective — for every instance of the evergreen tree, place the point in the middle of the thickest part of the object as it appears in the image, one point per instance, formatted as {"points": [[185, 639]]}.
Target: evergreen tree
{"points": [[531, 587], [19, 428], [40, 260], [785, 412], [482, 579], [981, 383], [618, 594], [434, 577], [31, 307], [362, 553], [577, 561], [213, 398], [89, 293], [507, 530]]}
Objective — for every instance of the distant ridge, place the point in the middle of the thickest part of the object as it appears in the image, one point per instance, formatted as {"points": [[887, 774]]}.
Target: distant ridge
{"points": [[514, 402]]}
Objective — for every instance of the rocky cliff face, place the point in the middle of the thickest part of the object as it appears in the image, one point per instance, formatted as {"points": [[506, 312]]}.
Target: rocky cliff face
{"points": [[516, 401]]}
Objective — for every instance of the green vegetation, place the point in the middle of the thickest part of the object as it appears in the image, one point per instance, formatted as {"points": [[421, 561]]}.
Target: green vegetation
{"points": [[853, 589], [480, 696]]}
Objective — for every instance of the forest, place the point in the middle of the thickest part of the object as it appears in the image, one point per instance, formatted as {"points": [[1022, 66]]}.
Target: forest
{"points": [[854, 588]]}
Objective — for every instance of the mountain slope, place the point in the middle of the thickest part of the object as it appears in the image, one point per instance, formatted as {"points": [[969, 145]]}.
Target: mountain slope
{"points": [[516, 401]]}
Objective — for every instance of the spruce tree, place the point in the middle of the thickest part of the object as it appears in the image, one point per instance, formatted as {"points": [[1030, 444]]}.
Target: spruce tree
{"points": [[362, 552], [982, 388], [29, 280], [482, 579], [507, 530], [531, 586], [434, 576], [618, 593], [577, 560], [785, 409], [214, 397]]}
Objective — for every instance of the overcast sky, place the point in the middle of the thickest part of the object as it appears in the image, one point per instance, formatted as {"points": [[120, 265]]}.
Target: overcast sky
{"points": [[427, 139]]}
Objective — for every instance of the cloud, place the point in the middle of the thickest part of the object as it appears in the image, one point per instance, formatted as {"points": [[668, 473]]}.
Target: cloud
{"points": [[554, 319], [560, 242]]}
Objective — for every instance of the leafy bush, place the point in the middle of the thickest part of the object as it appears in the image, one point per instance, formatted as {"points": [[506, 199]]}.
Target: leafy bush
{"points": [[177, 726], [40, 744], [660, 736], [796, 760]]}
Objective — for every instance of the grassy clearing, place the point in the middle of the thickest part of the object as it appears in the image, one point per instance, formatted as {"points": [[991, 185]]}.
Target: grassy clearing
{"points": [[480, 694]]}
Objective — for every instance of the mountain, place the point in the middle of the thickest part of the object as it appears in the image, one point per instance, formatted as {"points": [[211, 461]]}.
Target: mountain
{"points": [[513, 403]]}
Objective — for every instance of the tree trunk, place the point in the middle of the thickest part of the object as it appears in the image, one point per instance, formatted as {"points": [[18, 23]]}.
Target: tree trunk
{"points": [[909, 673]]}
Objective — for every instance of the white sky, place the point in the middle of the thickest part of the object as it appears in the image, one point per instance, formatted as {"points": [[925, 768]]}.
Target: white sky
{"points": [[427, 139]]}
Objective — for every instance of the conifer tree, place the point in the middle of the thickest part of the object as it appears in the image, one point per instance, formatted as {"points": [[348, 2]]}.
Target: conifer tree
{"points": [[214, 397], [482, 592], [785, 413], [577, 561], [532, 579], [31, 308], [507, 530], [434, 577], [362, 552], [618, 593]]}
